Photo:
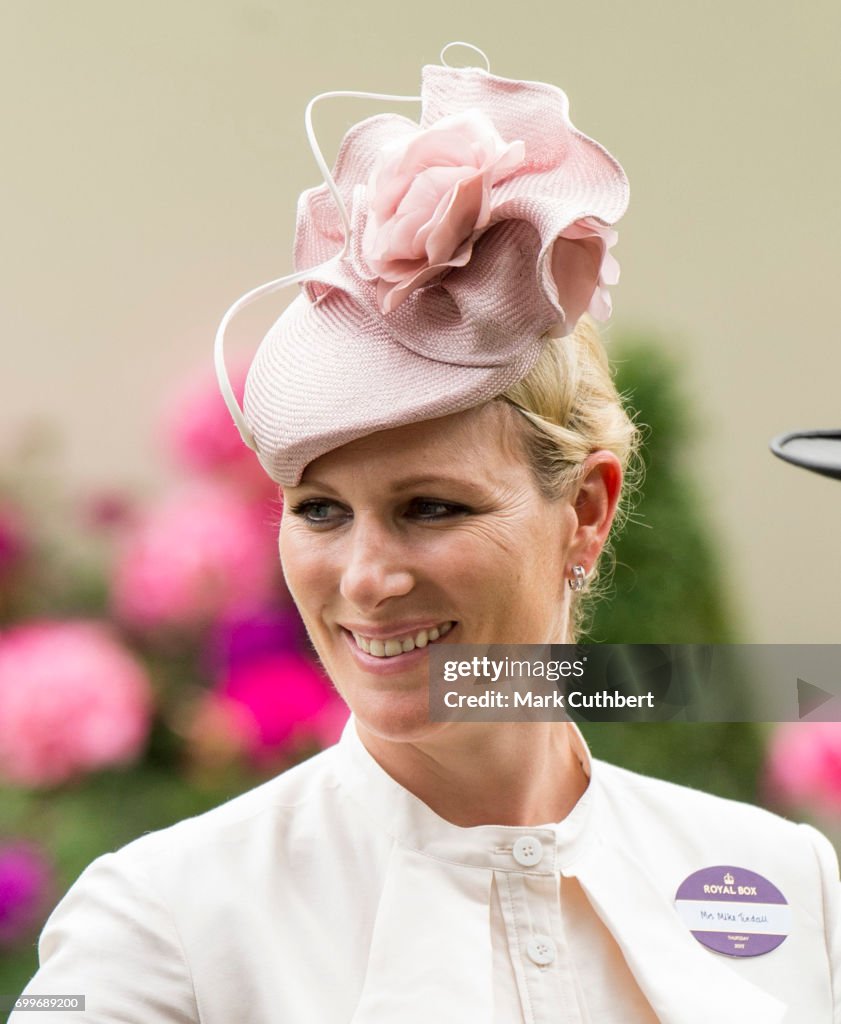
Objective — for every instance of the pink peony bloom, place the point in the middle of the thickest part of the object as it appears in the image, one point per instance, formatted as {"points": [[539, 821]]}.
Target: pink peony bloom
{"points": [[26, 889], [72, 700], [803, 766], [237, 640], [429, 197], [200, 435], [202, 552], [288, 700]]}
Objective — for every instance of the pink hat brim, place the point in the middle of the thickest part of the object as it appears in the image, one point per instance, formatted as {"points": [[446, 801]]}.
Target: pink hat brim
{"points": [[376, 382]]}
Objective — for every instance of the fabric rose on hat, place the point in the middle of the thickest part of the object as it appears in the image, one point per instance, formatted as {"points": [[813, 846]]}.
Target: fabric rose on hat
{"points": [[588, 243], [493, 211], [429, 196]]}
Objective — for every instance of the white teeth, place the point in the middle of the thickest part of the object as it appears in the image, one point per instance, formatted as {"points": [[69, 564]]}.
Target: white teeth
{"points": [[401, 645]]}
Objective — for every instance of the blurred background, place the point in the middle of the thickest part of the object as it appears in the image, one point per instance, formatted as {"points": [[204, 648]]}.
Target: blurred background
{"points": [[151, 664]]}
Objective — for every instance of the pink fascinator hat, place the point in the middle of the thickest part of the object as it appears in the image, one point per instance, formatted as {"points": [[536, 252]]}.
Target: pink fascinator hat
{"points": [[432, 262]]}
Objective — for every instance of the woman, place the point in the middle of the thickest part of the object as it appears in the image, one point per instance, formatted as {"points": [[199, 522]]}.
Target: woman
{"points": [[438, 410]]}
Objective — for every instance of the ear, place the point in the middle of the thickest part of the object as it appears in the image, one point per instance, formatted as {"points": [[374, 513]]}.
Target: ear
{"points": [[594, 504]]}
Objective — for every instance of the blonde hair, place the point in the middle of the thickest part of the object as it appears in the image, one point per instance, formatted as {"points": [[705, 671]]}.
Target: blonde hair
{"points": [[572, 408]]}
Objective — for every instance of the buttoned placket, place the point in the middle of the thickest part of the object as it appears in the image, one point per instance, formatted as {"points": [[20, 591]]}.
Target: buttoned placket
{"points": [[519, 946], [529, 891]]}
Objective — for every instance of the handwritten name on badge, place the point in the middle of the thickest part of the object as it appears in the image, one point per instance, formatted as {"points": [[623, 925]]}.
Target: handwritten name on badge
{"points": [[734, 911]]}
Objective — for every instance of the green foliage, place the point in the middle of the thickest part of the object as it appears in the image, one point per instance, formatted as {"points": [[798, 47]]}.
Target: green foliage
{"points": [[668, 588]]}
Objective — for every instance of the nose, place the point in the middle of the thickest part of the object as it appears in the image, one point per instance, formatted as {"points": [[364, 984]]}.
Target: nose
{"points": [[376, 567]]}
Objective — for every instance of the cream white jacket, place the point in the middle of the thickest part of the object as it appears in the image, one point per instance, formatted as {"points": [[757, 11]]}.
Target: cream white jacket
{"points": [[331, 895]]}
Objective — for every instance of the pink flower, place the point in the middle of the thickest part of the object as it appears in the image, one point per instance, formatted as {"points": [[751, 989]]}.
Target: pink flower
{"points": [[72, 700], [219, 731], [201, 437], [26, 886], [804, 765], [429, 197], [580, 255], [201, 552], [106, 512], [276, 701], [493, 210], [233, 641]]}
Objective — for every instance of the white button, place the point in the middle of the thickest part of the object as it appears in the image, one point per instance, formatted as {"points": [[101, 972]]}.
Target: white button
{"points": [[527, 851], [541, 949]]}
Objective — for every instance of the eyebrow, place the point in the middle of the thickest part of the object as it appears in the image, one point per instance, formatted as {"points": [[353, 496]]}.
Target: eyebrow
{"points": [[406, 483]]}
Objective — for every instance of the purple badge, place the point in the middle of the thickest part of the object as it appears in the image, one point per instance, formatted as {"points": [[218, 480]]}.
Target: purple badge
{"points": [[733, 911]]}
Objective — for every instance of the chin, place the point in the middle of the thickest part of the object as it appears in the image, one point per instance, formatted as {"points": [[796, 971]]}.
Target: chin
{"points": [[396, 717]]}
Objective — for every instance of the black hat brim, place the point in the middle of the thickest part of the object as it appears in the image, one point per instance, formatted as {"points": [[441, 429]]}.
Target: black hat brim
{"points": [[818, 450]]}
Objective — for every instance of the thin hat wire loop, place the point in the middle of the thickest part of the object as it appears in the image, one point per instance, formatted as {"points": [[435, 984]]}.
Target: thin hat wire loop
{"points": [[469, 46], [222, 377], [319, 157]]}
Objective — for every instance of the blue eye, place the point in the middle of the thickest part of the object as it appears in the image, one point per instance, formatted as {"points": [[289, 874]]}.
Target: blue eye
{"points": [[318, 512], [429, 508]]}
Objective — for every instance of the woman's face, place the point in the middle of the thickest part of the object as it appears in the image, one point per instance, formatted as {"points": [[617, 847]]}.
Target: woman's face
{"points": [[433, 532]]}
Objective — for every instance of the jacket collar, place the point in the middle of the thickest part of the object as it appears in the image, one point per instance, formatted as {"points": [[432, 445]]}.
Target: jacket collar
{"points": [[415, 825]]}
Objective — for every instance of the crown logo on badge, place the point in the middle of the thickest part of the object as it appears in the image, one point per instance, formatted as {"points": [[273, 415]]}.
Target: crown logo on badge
{"points": [[729, 879]]}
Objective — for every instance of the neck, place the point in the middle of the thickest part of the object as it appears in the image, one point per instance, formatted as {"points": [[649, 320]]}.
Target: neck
{"points": [[515, 773]]}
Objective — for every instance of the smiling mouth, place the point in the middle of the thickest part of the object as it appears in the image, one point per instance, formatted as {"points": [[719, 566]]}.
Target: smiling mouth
{"points": [[401, 644]]}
